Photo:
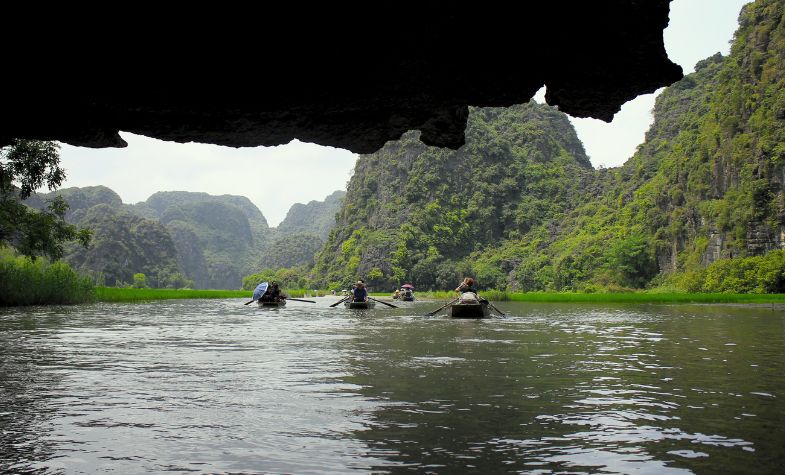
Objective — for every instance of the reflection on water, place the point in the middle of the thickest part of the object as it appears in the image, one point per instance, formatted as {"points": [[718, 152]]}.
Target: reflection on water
{"points": [[214, 386]]}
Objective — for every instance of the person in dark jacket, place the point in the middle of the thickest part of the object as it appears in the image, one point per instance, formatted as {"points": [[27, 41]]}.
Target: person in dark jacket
{"points": [[359, 294], [273, 293], [267, 295]]}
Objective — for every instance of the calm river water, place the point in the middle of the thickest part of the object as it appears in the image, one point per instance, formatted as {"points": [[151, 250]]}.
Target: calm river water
{"points": [[214, 386]]}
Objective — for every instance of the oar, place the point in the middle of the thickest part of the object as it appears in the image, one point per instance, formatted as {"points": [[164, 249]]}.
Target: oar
{"points": [[493, 307], [388, 304], [300, 300], [252, 301], [340, 301], [430, 314]]}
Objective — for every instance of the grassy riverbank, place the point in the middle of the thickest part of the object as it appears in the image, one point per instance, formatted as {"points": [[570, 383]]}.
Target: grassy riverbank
{"points": [[646, 297], [632, 297], [115, 294]]}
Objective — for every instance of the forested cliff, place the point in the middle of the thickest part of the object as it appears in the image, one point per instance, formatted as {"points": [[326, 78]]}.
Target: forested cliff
{"points": [[706, 184], [520, 208], [415, 213]]}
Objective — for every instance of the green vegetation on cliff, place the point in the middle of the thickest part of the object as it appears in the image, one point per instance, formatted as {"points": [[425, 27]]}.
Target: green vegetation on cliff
{"points": [[216, 232], [520, 208], [620, 238], [414, 212], [707, 184], [161, 201], [218, 238], [123, 245], [290, 251], [316, 217]]}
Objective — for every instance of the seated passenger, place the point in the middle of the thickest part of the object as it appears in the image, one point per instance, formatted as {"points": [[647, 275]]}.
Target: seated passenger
{"points": [[468, 291], [266, 296], [359, 294], [275, 292]]}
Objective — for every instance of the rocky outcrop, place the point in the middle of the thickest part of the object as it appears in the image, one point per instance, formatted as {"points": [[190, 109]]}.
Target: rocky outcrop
{"points": [[159, 202], [190, 254], [124, 244], [761, 238], [316, 217], [412, 212]]}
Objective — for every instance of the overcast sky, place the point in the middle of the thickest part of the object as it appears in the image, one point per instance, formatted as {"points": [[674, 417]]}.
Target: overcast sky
{"points": [[697, 29], [275, 178]]}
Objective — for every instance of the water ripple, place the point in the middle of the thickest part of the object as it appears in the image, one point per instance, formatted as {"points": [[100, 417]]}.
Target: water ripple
{"points": [[215, 386]]}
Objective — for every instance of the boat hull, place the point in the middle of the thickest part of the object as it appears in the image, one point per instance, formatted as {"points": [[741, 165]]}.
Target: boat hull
{"points": [[281, 303], [360, 305], [469, 310], [407, 299]]}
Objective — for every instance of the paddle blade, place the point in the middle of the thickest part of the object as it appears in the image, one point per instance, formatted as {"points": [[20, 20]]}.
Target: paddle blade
{"points": [[430, 314], [382, 302], [252, 301], [497, 310]]}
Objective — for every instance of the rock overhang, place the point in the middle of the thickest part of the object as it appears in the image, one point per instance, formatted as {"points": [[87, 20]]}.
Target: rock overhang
{"points": [[348, 76]]}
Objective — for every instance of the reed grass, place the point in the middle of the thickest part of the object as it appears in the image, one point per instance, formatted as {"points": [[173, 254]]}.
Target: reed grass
{"points": [[24, 281], [300, 293], [632, 297], [119, 294], [645, 297]]}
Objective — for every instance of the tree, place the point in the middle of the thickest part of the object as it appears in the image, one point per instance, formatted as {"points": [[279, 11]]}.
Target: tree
{"points": [[140, 281], [632, 260], [31, 164]]}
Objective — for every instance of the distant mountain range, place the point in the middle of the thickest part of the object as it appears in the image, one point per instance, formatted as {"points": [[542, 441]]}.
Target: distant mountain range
{"points": [[175, 236]]}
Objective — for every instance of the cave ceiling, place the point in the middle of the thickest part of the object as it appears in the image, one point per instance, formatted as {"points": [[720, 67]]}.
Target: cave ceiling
{"points": [[344, 75]]}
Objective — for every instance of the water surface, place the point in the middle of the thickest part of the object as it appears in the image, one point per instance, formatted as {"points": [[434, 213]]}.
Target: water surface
{"points": [[215, 386]]}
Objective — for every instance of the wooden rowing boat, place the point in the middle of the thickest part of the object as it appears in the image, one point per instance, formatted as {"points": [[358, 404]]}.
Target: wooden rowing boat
{"points": [[280, 303], [469, 310], [368, 304]]}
